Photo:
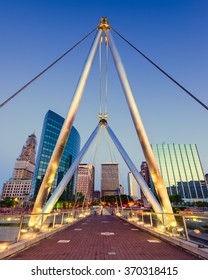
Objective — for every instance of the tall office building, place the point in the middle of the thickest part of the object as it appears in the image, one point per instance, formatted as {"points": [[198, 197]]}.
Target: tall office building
{"points": [[133, 187], [109, 179], [19, 186], [96, 195], [181, 169], [86, 181], [206, 177], [51, 128], [145, 172], [120, 189]]}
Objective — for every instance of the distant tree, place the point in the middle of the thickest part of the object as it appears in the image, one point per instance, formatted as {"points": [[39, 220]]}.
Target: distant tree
{"points": [[175, 198], [124, 199], [109, 199], [117, 199], [9, 202], [94, 202], [201, 203], [80, 196]]}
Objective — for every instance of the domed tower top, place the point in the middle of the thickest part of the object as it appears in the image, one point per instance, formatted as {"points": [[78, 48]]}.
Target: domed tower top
{"points": [[29, 149]]}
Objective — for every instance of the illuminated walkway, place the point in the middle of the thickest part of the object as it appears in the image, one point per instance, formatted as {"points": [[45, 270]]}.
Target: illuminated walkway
{"points": [[102, 237]]}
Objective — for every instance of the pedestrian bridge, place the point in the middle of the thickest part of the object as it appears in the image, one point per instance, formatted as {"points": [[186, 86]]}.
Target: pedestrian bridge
{"points": [[85, 235], [79, 234]]}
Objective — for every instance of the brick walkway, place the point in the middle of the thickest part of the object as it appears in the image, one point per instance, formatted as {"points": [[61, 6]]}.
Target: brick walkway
{"points": [[103, 237]]}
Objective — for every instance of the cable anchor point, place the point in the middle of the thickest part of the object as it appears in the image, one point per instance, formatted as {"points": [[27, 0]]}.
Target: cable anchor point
{"points": [[103, 122], [104, 25]]}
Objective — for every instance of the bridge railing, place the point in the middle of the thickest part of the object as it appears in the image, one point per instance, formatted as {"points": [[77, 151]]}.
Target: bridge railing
{"points": [[189, 227], [15, 228]]}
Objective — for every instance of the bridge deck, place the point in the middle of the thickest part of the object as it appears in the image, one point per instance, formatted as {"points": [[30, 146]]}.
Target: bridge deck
{"points": [[102, 237]]}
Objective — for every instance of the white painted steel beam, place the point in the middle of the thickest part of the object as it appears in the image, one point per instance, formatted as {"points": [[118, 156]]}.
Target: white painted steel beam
{"points": [[146, 190], [65, 131], [148, 153], [67, 177], [36, 220]]}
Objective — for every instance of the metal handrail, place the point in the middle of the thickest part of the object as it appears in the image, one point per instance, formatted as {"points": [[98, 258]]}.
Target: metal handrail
{"points": [[15, 228], [190, 227]]}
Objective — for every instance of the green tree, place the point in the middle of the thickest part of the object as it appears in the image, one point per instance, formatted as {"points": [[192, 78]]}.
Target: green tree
{"points": [[9, 202], [201, 203], [117, 199], [80, 198], [175, 198]]}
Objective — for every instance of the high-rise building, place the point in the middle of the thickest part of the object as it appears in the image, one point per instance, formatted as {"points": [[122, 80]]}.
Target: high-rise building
{"points": [[206, 177], [19, 186], [51, 128], [109, 178], [121, 189], [96, 195], [181, 169], [145, 172], [85, 181], [133, 187]]}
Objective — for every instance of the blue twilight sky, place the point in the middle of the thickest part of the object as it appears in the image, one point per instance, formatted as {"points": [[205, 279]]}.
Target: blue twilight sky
{"points": [[173, 33]]}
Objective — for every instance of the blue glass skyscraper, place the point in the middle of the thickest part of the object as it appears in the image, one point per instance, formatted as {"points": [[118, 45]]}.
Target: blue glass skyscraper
{"points": [[51, 128]]}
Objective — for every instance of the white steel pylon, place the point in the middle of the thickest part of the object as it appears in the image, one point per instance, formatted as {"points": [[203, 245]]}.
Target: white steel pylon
{"points": [[67, 177], [144, 141], [65, 131], [59, 148], [138, 177]]}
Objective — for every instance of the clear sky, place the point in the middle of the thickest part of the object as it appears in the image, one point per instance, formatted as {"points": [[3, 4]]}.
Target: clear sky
{"points": [[173, 33]]}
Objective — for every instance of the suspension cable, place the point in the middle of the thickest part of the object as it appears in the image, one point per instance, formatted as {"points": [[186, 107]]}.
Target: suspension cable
{"points": [[100, 70], [106, 81], [43, 71], [95, 148], [108, 145], [113, 159], [92, 161], [159, 68]]}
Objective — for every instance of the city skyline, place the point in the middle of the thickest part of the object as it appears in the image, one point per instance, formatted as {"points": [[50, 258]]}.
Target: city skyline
{"points": [[34, 34]]}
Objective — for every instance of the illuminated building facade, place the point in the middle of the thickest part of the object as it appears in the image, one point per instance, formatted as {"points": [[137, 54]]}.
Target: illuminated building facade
{"points": [[19, 186], [145, 172], [51, 128], [133, 187], [182, 171], [85, 181], [96, 195], [109, 179]]}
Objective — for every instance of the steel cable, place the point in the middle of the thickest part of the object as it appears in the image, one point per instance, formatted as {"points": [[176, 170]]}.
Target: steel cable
{"points": [[159, 68], [43, 71]]}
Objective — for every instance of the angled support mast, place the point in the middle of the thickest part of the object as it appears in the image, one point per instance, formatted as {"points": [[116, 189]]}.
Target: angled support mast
{"points": [[148, 153], [138, 177], [67, 177], [36, 219], [64, 134]]}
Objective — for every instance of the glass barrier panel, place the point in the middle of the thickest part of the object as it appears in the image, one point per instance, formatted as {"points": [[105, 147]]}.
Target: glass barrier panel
{"points": [[197, 228]]}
